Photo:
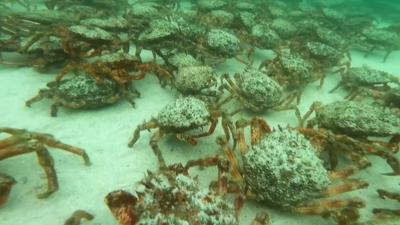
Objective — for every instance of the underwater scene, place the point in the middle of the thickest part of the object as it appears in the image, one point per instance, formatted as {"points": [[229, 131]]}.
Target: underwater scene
{"points": [[209, 112]]}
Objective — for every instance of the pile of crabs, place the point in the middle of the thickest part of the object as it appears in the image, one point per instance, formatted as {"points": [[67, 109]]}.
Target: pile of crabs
{"points": [[96, 48]]}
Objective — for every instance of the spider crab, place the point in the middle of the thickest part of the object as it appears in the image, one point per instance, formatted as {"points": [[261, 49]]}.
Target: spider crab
{"points": [[291, 71], [23, 142], [282, 168], [346, 125], [183, 118], [172, 196], [119, 66]]}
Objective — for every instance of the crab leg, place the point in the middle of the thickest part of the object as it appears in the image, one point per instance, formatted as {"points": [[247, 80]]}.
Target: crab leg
{"points": [[156, 150], [52, 142], [6, 184], [152, 124], [211, 130], [186, 138], [258, 129], [345, 187], [44, 158], [77, 216], [234, 166], [386, 194], [325, 207], [47, 163], [223, 167]]}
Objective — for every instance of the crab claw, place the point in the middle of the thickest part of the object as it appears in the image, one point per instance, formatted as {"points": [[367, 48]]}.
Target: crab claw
{"points": [[121, 204]]}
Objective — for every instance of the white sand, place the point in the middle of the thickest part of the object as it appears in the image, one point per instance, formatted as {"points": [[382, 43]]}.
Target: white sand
{"points": [[104, 135]]}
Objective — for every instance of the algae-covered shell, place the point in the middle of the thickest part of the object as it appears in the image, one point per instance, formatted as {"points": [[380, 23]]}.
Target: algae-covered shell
{"points": [[182, 60], [183, 114], [366, 75], [163, 198], [94, 33], [107, 23], [283, 27], [211, 4], [259, 89], [359, 119], [192, 79], [158, 29], [83, 91], [267, 37], [284, 170], [320, 50], [223, 42], [295, 66]]}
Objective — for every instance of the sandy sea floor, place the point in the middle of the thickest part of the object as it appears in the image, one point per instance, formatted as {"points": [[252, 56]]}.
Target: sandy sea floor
{"points": [[104, 134]]}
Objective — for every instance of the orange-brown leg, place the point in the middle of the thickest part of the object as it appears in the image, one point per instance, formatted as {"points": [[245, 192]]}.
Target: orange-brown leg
{"points": [[6, 184], [47, 163], [44, 158], [152, 124], [345, 187], [9, 141], [77, 216], [344, 216], [211, 130], [394, 143], [155, 138], [391, 160], [223, 167], [324, 207], [230, 155], [258, 128], [48, 139], [384, 195], [373, 149], [347, 171], [186, 138]]}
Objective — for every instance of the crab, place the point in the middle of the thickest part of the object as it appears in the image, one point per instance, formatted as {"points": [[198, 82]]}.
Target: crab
{"points": [[57, 37], [351, 123], [257, 92], [379, 38], [36, 50], [291, 71], [365, 79], [196, 80], [121, 67], [104, 6], [282, 168], [23, 142], [171, 196], [217, 18], [324, 57], [183, 118], [164, 36], [83, 92], [284, 28], [384, 194], [390, 98], [224, 44]]}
